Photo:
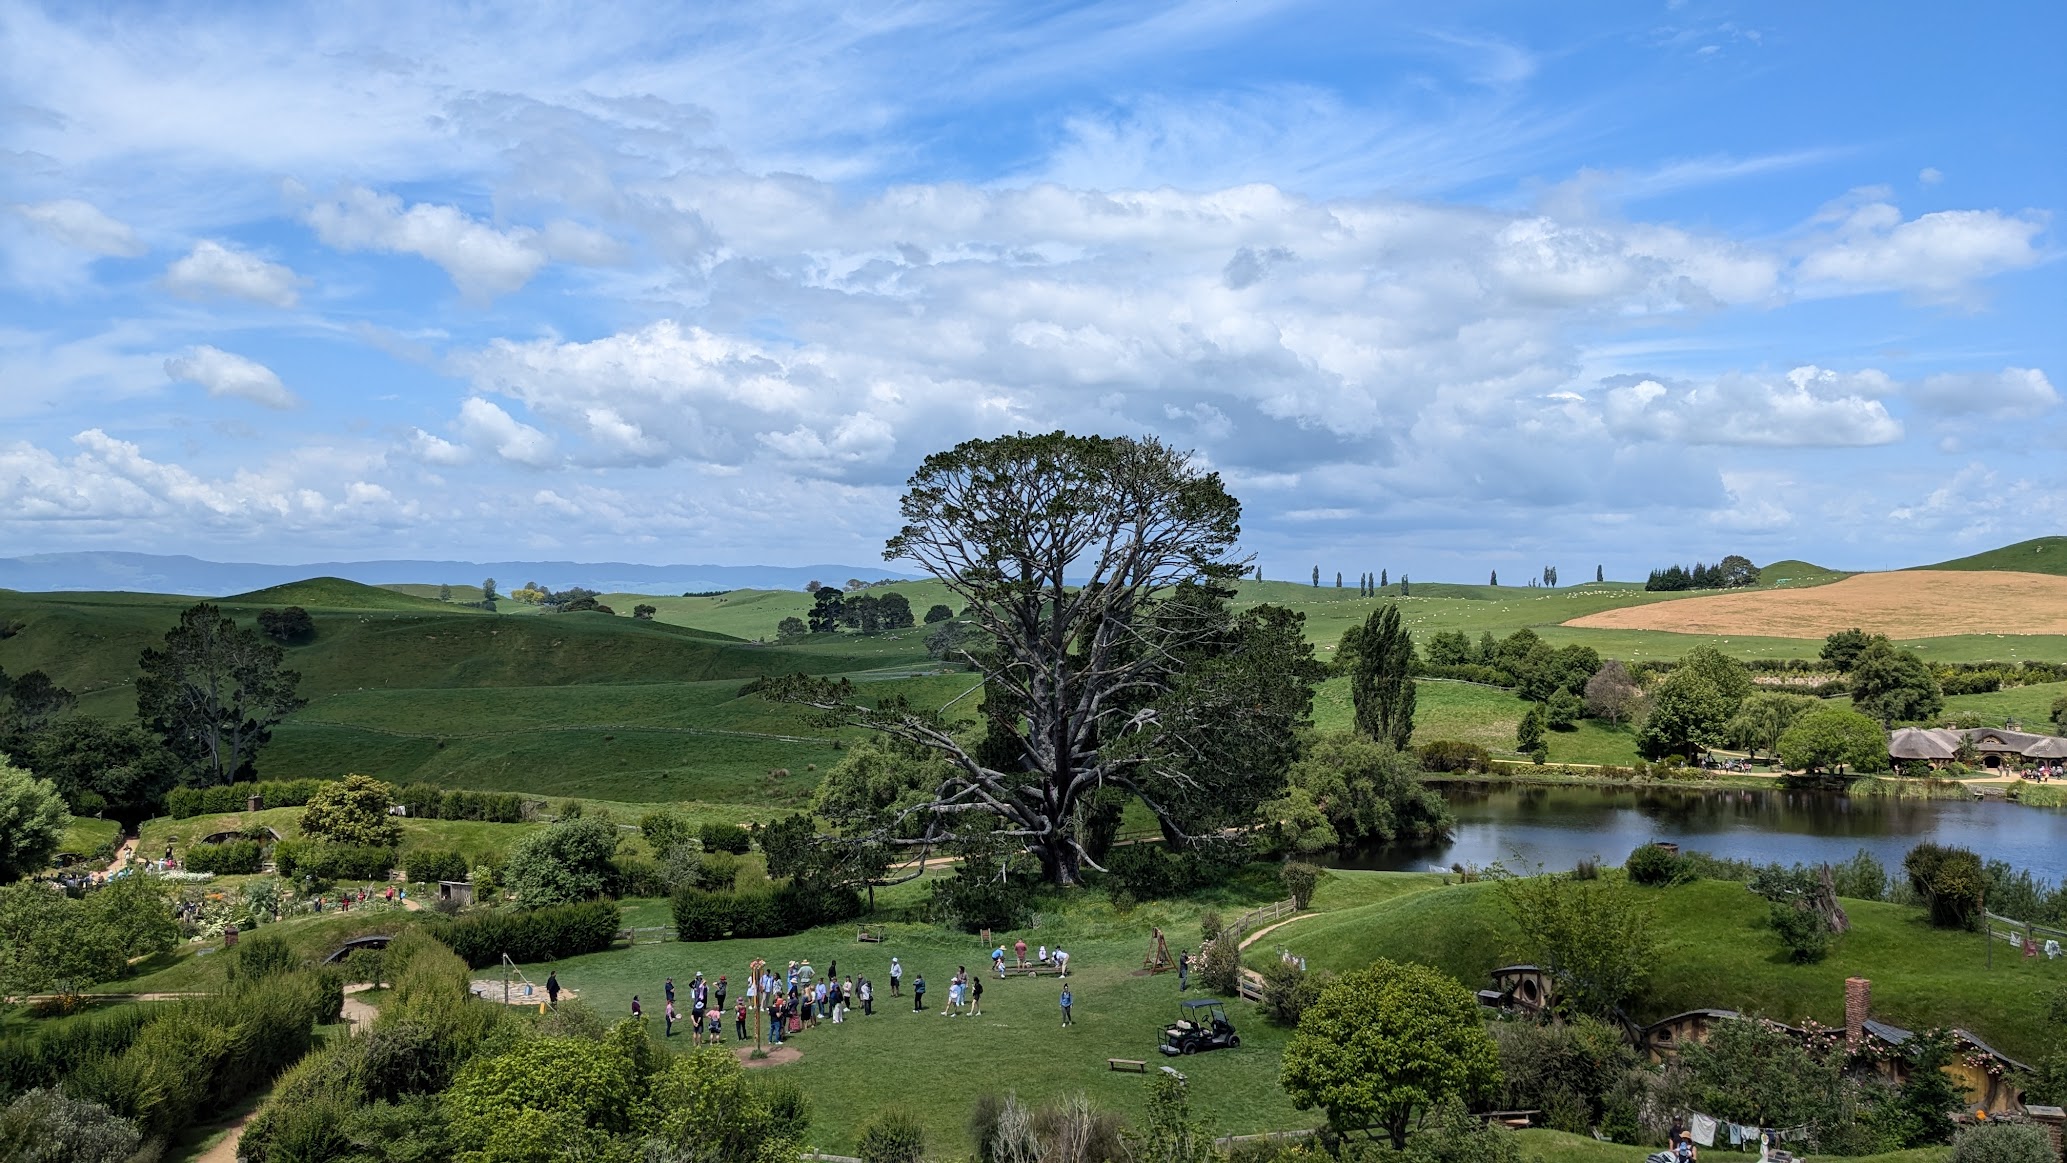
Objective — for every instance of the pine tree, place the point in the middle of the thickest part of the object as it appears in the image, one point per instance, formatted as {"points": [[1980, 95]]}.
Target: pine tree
{"points": [[1382, 583], [1496, 578], [1338, 579], [1600, 573]]}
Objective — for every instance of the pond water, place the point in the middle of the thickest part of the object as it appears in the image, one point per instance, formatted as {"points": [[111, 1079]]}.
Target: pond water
{"points": [[1558, 826]]}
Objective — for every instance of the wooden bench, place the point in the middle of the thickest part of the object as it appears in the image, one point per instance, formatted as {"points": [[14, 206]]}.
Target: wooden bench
{"points": [[1134, 1064], [866, 937], [1030, 970]]}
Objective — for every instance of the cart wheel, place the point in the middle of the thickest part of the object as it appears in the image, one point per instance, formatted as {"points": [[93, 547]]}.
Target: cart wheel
{"points": [[1234, 1041], [1191, 1047]]}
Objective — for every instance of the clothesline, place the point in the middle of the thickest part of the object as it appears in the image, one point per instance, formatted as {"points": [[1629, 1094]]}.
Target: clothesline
{"points": [[1703, 1129]]}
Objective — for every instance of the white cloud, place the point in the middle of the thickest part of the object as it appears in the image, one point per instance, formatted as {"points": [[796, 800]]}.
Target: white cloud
{"points": [[83, 225], [1938, 255], [1930, 176], [485, 424], [483, 261], [436, 450], [2012, 393], [223, 373], [212, 269], [1810, 407]]}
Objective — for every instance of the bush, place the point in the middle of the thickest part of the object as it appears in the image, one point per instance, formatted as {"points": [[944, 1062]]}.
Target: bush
{"points": [[2002, 1143], [1950, 881], [894, 1135], [1649, 864], [183, 803], [1219, 966], [637, 876], [1299, 880], [298, 858], [1452, 755], [544, 934], [229, 858], [1802, 931], [663, 830], [45, 1126], [431, 865], [1148, 872], [1288, 990], [724, 838]]}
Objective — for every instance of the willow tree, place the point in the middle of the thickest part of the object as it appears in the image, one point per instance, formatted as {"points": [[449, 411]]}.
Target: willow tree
{"points": [[1096, 572]]}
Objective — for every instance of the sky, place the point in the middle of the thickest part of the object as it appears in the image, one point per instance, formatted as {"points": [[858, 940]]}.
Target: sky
{"points": [[1439, 289]]}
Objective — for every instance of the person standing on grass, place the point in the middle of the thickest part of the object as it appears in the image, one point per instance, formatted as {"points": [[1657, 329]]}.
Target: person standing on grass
{"points": [[720, 993], [868, 997], [1066, 1000], [1061, 962], [1019, 950], [699, 1000], [997, 960], [1183, 970], [896, 976], [669, 1014], [717, 1024], [552, 989], [636, 1011], [739, 1020], [918, 993], [976, 997], [669, 988]]}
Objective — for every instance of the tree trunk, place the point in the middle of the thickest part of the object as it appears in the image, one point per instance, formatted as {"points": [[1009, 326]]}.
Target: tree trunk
{"points": [[1060, 865], [1396, 1126]]}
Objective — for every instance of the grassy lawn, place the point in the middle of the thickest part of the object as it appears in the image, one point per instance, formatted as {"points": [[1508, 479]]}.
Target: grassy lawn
{"points": [[2030, 705], [1720, 952], [1559, 1147], [86, 834]]}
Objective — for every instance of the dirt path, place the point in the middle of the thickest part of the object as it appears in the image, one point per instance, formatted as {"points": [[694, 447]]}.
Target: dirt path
{"points": [[225, 1148], [357, 1013], [122, 856], [1256, 936]]}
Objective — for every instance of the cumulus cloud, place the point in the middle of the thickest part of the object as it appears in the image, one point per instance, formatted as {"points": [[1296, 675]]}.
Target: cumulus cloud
{"points": [[483, 261], [1809, 407], [2012, 393], [1938, 255], [84, 226], [223, 373], [213, 270], [436, 450], [509, 438]]}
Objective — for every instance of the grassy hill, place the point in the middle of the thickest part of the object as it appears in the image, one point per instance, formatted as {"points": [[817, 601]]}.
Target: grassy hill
{"points": [[333, 593], [1792, 574], [1722, 953], [2038, 555]]}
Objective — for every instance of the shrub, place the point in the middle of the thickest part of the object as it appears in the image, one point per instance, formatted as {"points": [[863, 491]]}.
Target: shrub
{"points": [[894, 1135], [431, 865], [1288, 990], [1452, 755], [718, 871], [1455, 1135], [637, 876], [724, 838], [1220, 963], [1950, 881], [1209, 925], [1649, 864], [186, 802], [45, 1126], [1802, 931], [229, 858], [1299, 879], [663, 830], [2002, 1143], [297, 858], [544, 934]]}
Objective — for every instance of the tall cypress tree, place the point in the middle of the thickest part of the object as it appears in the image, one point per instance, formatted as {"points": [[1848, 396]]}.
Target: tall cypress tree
{"points": [[1600, 573], [1382, 685], [1496, 578], [1382, 583]]}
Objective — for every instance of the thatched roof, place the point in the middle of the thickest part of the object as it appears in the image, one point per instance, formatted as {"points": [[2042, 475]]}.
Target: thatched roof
{"points": [[1924, 743]]}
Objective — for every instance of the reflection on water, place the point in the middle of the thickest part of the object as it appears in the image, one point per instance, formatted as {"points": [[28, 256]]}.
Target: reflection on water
{"points": [[1556, 826]]}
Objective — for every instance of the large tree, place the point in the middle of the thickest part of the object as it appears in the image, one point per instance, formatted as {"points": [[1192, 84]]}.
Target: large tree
{"points": [[214, 693], [1096, 569], [1763, 717], [117, 768], [1381, 1043], [1893, 685], [1833, 738], [32, 822], [1381, 680]]}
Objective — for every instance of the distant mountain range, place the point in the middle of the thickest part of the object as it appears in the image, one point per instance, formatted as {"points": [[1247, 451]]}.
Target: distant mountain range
{"points": [[152, 573]]}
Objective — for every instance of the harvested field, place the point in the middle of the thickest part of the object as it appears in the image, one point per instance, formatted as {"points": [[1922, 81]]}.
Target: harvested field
{"points": [[1909, 604]]}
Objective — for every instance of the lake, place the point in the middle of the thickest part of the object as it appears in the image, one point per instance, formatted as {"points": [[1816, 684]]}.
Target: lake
{"points": [[1558, 826]]}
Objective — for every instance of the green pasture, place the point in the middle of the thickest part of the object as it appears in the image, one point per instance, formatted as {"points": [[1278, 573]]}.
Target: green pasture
{"points": [[2031, 706], [1487, 716], [86, 835], [2039, 555], [1721, 953], [1547, 1146]]}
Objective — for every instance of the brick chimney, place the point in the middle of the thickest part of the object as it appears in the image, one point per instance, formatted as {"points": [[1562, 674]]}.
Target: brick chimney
{"points": [[1858, 1007], [254, 803]]}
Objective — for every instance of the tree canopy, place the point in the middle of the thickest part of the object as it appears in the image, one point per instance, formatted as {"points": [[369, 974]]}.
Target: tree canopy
{"points": [[32, 822], [1097, 570], [1381, 1043], [353, 810], [214, 693], [1894, 685], [1833, 738]]}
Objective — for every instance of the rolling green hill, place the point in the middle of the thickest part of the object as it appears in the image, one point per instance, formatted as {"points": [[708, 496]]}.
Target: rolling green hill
{"points": [[1792, 574], [333, 593], [2038, 555]]}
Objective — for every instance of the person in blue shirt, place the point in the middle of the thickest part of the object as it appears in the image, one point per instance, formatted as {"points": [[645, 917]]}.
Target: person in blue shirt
{"points": [[1066, 999]]}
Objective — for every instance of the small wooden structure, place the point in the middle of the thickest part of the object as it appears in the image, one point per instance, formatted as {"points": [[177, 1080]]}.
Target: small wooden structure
{"points": [[1524, 988], [1158, 959], [868, 936], [1133, 1065], [458, 891]]}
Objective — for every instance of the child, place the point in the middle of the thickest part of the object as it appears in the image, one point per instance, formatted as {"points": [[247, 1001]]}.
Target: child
{"points": [[739, 1021], [975, 996]]}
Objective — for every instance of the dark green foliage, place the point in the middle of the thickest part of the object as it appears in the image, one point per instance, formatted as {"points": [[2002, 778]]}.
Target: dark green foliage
{"points": [[1750, 1072], [1564, 710], [1929, 1096], [938, 613], [1801, 930], [203, 1055], [425, 802], [1452, 755], [126, 768], [47, 1126], [1528, 734], [545, 934], [2002, 1143], [294, 859], [992, 888], [46, 1056], [1950, 881], [725, 838], [431, 865], [289, 627], [895, 1135], [1842, 649], [1381, 678], [1574, 1072], [1148, 872], [229, 858], [1454, 1135], [214, 693], [1299, 879], [1731, 572], [1289, 989], [1652, 865], [663, 830], [569, 861], [1894, 685], [186, 802]]}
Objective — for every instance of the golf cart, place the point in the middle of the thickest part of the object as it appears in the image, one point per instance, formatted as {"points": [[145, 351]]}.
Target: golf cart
{"points": [[1201, 1025]]}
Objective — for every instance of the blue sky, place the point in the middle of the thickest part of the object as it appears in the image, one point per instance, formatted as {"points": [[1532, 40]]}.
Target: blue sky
{"points": [[1438, 289]]}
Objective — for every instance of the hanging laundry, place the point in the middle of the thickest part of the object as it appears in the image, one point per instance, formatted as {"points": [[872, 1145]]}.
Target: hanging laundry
{"points": [[1702, 1127]]}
